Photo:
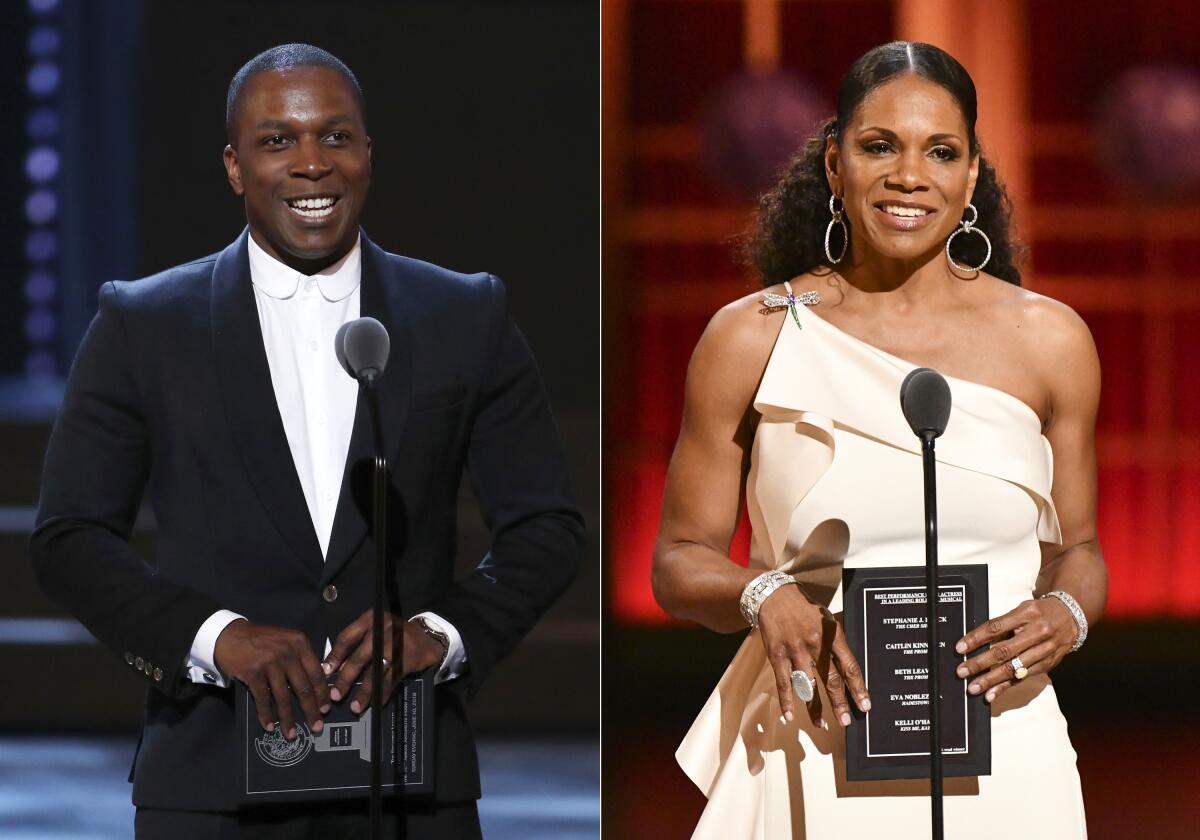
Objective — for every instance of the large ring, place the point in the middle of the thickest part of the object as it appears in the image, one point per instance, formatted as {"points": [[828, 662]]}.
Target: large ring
{"points": [[1019, 669], [802, 684]]}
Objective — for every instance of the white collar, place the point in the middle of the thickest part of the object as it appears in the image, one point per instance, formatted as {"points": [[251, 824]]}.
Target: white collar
{"points": [[280, 281]]}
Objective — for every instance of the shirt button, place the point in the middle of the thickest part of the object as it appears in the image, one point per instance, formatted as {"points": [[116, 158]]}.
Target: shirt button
{"points": [[158, 674], [139, 663], [330, 593], [129, 657]]}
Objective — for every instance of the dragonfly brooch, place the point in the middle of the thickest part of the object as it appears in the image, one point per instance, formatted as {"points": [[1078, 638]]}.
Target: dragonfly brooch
{"points": [[810, 298]]}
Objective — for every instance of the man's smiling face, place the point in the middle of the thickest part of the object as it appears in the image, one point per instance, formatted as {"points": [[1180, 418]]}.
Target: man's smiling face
{"points": [[301, 157]]}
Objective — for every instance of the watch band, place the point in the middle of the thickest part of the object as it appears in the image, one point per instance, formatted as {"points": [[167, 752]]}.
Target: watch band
{"points": [[435, 634]]}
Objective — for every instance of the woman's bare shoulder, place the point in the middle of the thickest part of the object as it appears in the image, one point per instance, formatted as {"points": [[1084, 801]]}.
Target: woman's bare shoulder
{"points": [[736, 345], [1053, 340]]}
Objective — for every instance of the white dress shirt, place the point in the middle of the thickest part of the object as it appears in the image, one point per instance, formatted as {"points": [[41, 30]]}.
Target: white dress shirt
{"points": [[299, 316]]}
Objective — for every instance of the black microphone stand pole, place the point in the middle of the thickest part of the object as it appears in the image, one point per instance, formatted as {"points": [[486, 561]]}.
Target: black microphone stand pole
{"points": [[379, 514], [931, 598]]}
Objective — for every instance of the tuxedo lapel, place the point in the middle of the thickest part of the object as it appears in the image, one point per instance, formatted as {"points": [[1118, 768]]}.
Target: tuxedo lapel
{"points": [[250, 404], [383, 296]]}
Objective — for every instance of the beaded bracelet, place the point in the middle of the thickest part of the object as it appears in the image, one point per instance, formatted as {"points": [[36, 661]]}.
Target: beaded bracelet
{"points": [[1077, 612], [756, 592]]}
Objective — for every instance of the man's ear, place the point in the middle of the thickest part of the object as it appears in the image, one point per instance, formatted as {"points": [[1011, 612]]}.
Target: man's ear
{"points": [[233, 170]]}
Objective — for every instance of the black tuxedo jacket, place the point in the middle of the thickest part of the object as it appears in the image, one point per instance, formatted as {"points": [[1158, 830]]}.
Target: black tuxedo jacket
{"points": [[170, 395]]}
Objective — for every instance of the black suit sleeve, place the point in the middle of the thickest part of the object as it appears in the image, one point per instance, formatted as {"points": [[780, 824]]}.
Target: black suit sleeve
{"points": [[97, 464], [519, 474]]}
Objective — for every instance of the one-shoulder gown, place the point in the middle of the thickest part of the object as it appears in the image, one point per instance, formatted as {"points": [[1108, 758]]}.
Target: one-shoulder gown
{"points": [[835, 479]]}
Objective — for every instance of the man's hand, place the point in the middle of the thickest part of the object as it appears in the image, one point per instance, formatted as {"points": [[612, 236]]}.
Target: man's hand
{"points": [[350, 657], [275, 663]]}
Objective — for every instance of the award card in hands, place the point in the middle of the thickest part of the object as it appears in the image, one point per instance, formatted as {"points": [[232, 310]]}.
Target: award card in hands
{"points": [[885, 618], [336, 764]]}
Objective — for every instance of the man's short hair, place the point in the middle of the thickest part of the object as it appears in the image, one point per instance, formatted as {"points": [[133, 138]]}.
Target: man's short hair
{"points": [[281, 58]]}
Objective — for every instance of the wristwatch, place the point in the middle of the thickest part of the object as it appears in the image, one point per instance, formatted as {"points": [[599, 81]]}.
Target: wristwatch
{"points": [[435, 634]]}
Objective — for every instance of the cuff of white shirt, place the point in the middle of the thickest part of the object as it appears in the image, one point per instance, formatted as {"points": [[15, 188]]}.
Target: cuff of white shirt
{"points": [[202, 661], [455, 662]]}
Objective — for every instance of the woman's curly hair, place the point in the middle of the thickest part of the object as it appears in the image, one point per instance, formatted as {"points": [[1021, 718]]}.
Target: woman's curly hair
{"points": [[789, 237]]}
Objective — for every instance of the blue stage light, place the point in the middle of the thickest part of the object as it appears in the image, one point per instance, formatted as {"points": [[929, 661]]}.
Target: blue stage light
{"points": [[40, 326], [41, 246], [41, 164], [42, 123], [41, 206], [43, 78], [41, 7], [40, 287], [44, 41]]}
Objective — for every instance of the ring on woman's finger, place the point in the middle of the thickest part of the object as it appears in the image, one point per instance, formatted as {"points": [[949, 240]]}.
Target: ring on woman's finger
{"points": [[1019, 669], [802, 684]]}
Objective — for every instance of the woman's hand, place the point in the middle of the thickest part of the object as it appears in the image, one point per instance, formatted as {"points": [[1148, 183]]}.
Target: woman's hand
{"points": [[1040, 632], [802, 636]]}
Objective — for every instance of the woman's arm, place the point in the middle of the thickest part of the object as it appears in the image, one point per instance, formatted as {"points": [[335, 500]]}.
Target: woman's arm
{"points": [[1041, 631], [693, 577]]}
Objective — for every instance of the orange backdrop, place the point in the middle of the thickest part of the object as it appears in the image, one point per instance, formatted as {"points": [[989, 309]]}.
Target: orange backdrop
{"points": [[1129, 267]]}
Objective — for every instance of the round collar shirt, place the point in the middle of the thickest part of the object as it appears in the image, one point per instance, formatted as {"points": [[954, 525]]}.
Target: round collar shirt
{"points": [[299, 315]]}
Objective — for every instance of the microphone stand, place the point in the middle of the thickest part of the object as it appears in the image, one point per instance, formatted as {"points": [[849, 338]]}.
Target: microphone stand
{"points": [[379, 512], [931, 598]]}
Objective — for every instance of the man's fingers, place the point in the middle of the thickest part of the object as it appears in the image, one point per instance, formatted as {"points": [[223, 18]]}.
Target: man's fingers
{"points": [[302, 687], [262, 703], [347, 641], [281, 696]]}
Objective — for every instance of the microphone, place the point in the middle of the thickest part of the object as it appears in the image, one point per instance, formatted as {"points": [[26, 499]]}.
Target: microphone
{"points": [[925, 401], [362, 347]]}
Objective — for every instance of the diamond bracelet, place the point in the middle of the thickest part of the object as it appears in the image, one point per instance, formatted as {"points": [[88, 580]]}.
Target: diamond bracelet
{"points": [[1077, 612], [756, 592]]}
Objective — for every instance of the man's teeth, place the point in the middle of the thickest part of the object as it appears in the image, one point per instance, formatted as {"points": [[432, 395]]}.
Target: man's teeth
{"points": [[313, 208], [896, 210]]}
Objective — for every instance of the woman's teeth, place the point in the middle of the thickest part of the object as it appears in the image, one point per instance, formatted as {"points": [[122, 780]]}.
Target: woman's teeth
{"points": [[897, 210], [313, 208]]}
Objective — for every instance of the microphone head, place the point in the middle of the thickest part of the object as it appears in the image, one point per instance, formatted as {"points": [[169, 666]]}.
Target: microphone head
{"points": [[362, 347], [339, 348], [925, 401]]}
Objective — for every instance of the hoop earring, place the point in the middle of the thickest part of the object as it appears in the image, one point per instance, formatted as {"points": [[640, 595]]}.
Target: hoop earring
{"points": [[837, 220], [968, 226]]}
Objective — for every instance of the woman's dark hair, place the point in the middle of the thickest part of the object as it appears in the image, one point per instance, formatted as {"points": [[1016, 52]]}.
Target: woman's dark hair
{"points": [[789, 238]]}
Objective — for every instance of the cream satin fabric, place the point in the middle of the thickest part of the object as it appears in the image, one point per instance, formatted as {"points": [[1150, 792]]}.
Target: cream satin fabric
{"points": [[835, 480]]}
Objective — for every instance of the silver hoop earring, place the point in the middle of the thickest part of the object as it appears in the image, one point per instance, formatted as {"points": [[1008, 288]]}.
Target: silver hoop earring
{"points": [[837, 220], [968, 226]]}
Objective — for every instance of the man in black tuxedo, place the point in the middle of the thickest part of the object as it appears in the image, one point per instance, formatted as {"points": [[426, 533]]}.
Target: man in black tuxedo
{"points": [[214, 388]]}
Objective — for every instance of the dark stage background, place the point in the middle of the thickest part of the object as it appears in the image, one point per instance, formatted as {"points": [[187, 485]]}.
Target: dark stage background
{"points": [[1087, 110], [485, 125]]}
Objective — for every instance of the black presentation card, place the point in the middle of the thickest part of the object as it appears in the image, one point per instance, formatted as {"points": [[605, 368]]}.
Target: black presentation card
{"points": [[885, 620], [336, 764]]}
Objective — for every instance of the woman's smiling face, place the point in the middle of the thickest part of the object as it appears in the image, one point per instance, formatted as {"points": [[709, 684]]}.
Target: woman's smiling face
{"points": [[904, 170]]}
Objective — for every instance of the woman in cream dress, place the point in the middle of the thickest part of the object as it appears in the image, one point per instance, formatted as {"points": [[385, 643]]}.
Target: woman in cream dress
{"points": [[792, 407]]}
